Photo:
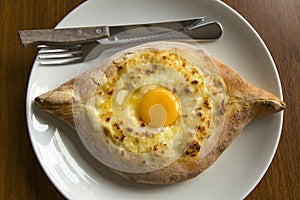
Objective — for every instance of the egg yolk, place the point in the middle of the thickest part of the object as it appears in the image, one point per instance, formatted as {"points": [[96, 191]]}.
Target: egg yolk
{"points": [[159, 107]]}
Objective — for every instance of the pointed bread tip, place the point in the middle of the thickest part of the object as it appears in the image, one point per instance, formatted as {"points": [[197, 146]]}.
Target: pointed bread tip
{"points": [[262, 107], [261, 101], [58, 102]]}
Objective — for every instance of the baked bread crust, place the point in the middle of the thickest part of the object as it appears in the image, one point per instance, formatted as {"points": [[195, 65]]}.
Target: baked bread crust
{"points": [[244, 102]]}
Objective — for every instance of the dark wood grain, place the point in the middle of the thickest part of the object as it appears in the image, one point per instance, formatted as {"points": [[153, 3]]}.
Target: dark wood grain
{"points": [[21, 177]]}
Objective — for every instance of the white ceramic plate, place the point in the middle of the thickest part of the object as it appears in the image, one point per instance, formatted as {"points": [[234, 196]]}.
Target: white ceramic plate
{"points": [[78, 176]]}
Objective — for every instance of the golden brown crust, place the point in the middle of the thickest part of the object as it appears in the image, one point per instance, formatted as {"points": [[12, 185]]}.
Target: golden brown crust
{"points": [[58, 102], [244, 102]]}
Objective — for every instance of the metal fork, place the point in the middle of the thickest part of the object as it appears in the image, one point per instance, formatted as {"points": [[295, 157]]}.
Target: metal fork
{"points": [[76, 53], [63, 54]]}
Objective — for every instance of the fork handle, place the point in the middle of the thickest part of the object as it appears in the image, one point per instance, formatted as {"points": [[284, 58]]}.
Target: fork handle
{"points": [[65, 36]]}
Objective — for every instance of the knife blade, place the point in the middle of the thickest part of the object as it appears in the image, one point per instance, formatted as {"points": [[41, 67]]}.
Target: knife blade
{"points": [[198, 28]]}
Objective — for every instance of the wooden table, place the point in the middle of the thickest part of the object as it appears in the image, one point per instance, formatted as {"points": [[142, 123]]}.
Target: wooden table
{"points": [[21, 177]]}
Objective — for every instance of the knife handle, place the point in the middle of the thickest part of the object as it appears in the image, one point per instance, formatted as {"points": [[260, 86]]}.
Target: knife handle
{"points": [[65, 36]]}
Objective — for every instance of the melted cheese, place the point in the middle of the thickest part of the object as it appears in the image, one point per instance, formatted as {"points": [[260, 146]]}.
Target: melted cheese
{"points": [[114, 111]]}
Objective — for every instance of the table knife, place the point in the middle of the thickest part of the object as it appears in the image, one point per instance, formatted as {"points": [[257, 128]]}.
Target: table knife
{"points": [[197, 28]]}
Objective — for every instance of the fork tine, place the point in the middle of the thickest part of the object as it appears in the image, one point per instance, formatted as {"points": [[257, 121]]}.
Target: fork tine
{"points": [[59, 55], [61, 61], [57, 49]]}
